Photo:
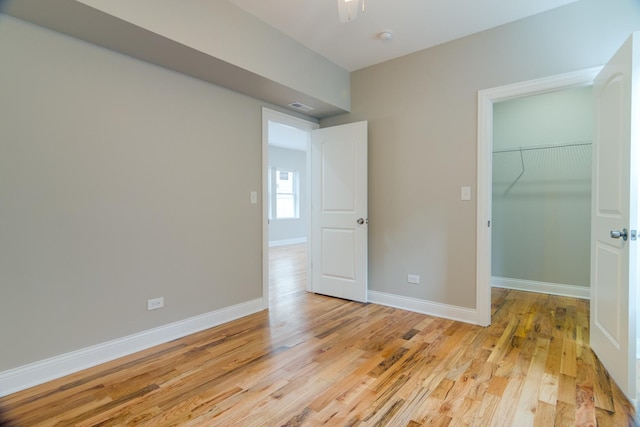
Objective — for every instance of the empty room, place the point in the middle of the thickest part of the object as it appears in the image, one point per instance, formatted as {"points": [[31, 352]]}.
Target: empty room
{"points": [[168, 258]]}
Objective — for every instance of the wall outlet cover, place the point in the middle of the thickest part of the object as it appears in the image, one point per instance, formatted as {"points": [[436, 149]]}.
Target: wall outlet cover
{"points": [[155, 303], [413, 278]]}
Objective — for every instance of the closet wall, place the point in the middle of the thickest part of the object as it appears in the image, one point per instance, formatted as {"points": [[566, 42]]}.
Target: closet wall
{"points": [[542, 190]]}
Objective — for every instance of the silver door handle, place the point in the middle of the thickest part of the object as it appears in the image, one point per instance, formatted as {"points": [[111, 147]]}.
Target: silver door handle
{"points": [[360, 221], [616, 234]]}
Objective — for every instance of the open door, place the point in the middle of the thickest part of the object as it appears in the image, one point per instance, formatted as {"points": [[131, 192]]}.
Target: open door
{"points": [[339, 211], [615, 215]]}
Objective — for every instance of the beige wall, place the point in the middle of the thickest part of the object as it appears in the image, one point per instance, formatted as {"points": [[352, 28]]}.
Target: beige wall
{"points": [[119, 181], [422, 137]]}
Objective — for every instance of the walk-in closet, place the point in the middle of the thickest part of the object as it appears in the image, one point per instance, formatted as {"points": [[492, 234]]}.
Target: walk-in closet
{"points": [[542, 192]]}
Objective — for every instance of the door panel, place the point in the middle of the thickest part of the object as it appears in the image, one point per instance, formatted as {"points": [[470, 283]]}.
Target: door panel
{"points": [[339, 199], [609, 298], [614, 199], [338, 179], [338, 246], [609, 110]]}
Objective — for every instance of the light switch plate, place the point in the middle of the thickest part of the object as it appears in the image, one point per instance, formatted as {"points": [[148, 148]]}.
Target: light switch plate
{"points": [[465, 193]]}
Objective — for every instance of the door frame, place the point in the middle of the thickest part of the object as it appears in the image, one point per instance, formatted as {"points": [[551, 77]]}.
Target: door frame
{"points": [[269, 115], [486, 99]]}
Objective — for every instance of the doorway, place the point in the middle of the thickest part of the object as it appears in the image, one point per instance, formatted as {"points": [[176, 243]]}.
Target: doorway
{"points": [[337, 229], [486, 100], [286, 171], [541, 192]]}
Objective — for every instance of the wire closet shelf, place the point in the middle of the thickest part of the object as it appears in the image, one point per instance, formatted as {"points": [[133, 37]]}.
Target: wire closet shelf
{"points": [[568, 161]]}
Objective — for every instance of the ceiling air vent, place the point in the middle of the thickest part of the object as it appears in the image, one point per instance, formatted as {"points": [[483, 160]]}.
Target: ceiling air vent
{"points": [[300, 106]]}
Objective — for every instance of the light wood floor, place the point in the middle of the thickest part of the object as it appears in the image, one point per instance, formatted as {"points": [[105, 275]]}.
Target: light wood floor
{"points": [[313, 360]]}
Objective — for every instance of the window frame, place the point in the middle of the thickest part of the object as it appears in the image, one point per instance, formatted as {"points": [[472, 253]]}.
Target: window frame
{"points": [[273, 190]]}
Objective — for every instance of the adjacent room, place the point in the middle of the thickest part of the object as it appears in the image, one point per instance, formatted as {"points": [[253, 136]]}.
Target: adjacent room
{"points": [[239, 212]]}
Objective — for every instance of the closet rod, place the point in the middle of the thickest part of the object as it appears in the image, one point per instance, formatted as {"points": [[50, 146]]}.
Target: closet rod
{"points": [[543, 147]]}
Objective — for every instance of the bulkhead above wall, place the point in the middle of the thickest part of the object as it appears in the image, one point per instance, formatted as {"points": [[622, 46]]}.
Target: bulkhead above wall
{"points": [[221, 44]]}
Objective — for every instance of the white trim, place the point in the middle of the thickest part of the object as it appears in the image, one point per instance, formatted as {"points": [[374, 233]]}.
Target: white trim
{"points": [[285, 242], [582, 292], [483, 228], [486, 99], [42, 371], [462, 314], [302, 124]]}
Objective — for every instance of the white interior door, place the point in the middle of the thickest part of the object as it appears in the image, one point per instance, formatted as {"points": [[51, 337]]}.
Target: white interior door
{"points": [[615, 212], [339, 211]]}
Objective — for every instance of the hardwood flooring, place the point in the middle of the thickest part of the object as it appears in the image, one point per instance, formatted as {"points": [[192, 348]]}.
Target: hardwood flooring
{"points": [[313, 360]]}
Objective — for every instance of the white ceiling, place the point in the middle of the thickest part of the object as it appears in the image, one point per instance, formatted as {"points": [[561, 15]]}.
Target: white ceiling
{"points": [[416, 24], [283, 136]]}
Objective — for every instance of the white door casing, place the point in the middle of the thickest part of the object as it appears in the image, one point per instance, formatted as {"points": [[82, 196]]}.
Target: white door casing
{"points": [[486, 99], [614, 208], [339, 218]]}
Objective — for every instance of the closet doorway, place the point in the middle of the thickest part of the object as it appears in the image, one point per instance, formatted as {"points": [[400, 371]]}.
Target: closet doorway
{"points": [[615, 140], [487, 98], [541, 192]]}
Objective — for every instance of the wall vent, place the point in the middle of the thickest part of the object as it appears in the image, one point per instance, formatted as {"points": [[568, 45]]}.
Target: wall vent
{"points": [[300, 106]]}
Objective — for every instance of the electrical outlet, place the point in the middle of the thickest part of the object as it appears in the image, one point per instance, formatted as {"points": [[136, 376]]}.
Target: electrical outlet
{"points": [[413, 278], [155, 303]]}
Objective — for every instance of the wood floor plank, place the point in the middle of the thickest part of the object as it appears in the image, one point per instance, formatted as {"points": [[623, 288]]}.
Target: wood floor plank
{"points": [[565, 414], [527, 403], [549, 389], [568, 360], [603, 390], [312, 360], [545, 415], [554, 357], [487, 410]]}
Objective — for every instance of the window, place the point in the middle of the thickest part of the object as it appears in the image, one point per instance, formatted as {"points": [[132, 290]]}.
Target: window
{"points": [[285, 185]]}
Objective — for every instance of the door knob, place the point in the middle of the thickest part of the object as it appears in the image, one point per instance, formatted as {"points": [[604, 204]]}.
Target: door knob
{"points": [[360, 221], [616, 234]]}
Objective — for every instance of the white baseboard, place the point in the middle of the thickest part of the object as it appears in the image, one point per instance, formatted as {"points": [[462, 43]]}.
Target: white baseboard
{"points": [[287, 242], [582, 292], [42, 371], [462, 314]]}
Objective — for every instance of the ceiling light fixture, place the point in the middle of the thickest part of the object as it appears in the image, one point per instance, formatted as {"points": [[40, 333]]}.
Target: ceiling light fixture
{"points": [[385, 35], [348, 9]]}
